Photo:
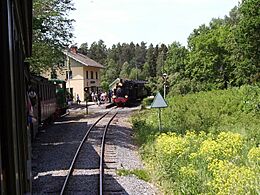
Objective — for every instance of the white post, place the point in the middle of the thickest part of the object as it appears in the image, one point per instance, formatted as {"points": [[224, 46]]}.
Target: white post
{"points": [[164, 90], [164, 84], [159, 118]]}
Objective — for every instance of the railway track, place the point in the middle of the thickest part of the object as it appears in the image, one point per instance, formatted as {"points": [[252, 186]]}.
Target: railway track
{"points": [[98, 132]]}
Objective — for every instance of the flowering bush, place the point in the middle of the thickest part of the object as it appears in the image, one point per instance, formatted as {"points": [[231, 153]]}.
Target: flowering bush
{"points": [[254, 155], [220, 156], [226, 146], [229, 178], [206, 163]]}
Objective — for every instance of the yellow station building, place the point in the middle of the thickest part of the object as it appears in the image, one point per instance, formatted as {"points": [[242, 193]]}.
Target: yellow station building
{"points": [[81, 73]]}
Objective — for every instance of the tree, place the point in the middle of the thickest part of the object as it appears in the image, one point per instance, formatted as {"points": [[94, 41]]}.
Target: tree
{"points": [[145, 72], [98, 52], [162, 55], [83, 49], [140, 53], [135, 74], [51, 33], [110, 72], [151, 57], [248, 41], [176, 59], [209, 57], [124, 74]]}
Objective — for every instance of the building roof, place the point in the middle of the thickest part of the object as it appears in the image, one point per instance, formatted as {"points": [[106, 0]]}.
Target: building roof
{"points": [[84, 60]]}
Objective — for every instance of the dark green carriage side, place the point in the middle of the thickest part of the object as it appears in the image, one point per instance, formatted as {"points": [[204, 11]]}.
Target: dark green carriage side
{"points": [[61, 95]]}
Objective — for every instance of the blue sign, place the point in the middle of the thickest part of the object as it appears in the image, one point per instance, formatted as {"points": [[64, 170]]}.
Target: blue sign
{"points": [[158, 102]]}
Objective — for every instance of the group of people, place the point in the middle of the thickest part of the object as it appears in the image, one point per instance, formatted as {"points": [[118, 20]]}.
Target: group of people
{"points": [[96, 97], [101, 97]]}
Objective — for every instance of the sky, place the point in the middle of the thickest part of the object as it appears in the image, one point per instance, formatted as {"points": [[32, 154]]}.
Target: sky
{"points": [[151, 21]]}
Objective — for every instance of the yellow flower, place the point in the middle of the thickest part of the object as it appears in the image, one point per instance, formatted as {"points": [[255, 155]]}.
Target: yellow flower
{"points": [[170, 144], [229, 178], [254, 155], [188, 171]]}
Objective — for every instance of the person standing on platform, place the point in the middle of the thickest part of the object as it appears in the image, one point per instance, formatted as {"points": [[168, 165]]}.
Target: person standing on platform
{"points": [[78, 100]]}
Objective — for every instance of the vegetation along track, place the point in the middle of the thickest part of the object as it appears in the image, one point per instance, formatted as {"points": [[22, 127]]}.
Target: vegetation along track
{"points": [[90, 185]]}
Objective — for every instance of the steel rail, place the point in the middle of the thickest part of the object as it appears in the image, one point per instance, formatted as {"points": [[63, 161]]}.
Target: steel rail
{"points": [[101, 163], [77, 152]]}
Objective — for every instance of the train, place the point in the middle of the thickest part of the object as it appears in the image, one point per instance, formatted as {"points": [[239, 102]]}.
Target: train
{"points": [[48, 101], [129, 92], [27, 101]]}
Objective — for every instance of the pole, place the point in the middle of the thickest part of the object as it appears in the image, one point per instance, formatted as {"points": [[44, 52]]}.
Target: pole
{"points": [[86, 108], [159, 115], [136, 71], [68, 68], [69, 80], [164, 90], [164, 84]]}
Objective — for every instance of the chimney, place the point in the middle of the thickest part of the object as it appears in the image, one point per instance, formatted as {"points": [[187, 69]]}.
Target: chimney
{"points": [[73, 49]]}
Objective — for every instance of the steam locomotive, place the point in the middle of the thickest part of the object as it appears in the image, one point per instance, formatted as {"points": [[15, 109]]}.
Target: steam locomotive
{"points": [[128, 92]]}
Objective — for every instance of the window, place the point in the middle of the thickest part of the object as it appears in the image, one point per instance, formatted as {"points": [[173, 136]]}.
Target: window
{"points": [[92, 76], [86, 74], [96, 75], [68, 75]]}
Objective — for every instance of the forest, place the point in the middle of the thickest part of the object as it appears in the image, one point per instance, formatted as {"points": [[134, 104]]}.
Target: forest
{"points": [[218, 55]]}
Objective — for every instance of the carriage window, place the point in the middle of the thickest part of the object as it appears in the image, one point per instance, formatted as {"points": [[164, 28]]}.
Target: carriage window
{"points": [[96, 75], [87, 74], [92, 76], [68, 74]]}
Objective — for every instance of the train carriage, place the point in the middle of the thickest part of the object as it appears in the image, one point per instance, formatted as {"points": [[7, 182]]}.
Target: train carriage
{"points": [[43, 99], [15, 39]]}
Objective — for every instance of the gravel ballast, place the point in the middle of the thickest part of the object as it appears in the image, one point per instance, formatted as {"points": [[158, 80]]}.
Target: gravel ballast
{"points": [[54, 147]]}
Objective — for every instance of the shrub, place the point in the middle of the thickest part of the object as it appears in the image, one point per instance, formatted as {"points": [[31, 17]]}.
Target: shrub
{"points": [[220, 156], [147, 101], [205, 163]]}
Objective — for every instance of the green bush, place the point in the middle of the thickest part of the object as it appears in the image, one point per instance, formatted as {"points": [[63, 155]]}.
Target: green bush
{"points": [[235, 109], [205, 163], [220, 156], [147, 101]]}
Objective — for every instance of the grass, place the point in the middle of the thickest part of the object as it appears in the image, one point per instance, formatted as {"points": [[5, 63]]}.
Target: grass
{"points": [[139, 173]]}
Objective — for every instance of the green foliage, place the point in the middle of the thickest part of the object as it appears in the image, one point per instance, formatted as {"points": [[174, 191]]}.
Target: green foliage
{"points": [[155, 84], [139, 173], [147, 101], [208, 58], [51, 33], [212, 111], [176, 59], [219, 156], [124, 74], [110, 73], [151, 58], [97, 51], [83, 49], [248, 41], [104, 85], [201, 163], [136, 74]]}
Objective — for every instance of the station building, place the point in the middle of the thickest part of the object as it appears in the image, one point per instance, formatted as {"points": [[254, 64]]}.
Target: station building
{"points": [[80, 72]]}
